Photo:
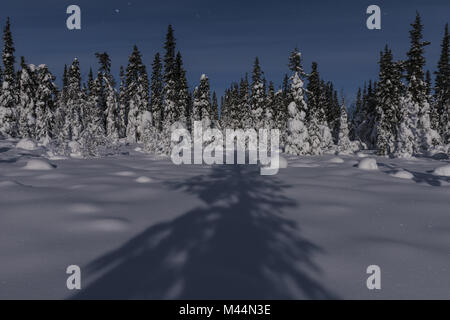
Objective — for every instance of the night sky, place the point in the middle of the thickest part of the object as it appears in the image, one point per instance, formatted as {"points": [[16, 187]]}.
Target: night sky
{"points": [[222, 38]]}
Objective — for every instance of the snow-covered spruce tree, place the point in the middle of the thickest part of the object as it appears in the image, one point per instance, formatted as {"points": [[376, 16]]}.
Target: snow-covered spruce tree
{"points": [[280, 116], [93, 136], [427, 137], [389, 91], [46, 94], [123, 105], [73, 123], [112, 112], [241, 110], [270, 108], [138, 95], [344, 143], [27, 93], [367, 130], [156, 88], [202, 103], [442, 90], [182, 90], [214, 108], [319, 136], [172, 110], [406, 132], [297, 138], [257, 97], [8, 96], [357, 118]]}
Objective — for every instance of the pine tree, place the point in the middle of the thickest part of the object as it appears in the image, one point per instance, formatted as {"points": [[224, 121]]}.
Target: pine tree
{"points": [[442, 90], [156, 87], [27, 92], [8, 96]]}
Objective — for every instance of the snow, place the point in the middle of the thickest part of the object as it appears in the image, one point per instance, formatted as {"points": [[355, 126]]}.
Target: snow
{"points": [[402, 174], [26, 144], [144, 179], [443, 171], [38, 165], [336, 160], [368, 164], [218, 232]]}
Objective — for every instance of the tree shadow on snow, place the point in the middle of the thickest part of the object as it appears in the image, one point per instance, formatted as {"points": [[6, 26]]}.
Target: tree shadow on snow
{"points": [[419, 177], [237, 245]]}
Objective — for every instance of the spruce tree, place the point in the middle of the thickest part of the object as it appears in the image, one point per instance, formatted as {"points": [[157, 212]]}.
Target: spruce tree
{"points": [[46, 94], [182, 90], [156, 87], [344, 143], [73, 125], [27, 91], [406, 132], [214, 107], [240, 101], [442, 90], [123, 104], [427, 137], [171, 109], [8, 96], [270, 108], [138, 95], [257, 96], [389, 91], [297, 137]]}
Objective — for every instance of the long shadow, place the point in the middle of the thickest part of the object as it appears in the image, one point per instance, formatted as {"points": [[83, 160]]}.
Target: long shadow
{"points": [[237, 245], [419, 177], [4, 150]]}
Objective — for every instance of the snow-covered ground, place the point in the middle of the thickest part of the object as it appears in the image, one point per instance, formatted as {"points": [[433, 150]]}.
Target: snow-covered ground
{"points": [[141, 227]]}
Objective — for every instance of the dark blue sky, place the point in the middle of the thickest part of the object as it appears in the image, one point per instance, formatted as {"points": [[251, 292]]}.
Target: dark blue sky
{"points": [[221, 38]]}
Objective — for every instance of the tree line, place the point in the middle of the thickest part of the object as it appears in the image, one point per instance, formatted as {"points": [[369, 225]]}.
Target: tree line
{"points": [[400, 114]]}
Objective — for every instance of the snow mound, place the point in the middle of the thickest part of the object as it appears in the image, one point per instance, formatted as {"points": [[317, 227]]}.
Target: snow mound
{"points": [[336, 160], [361, 155], [144, 179], [138, 149], [304, 165], [402, 174], [124, 173], [38, 165], [443, 171], [8, 184], [26, 144], [75, 150], [368, 164]]}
